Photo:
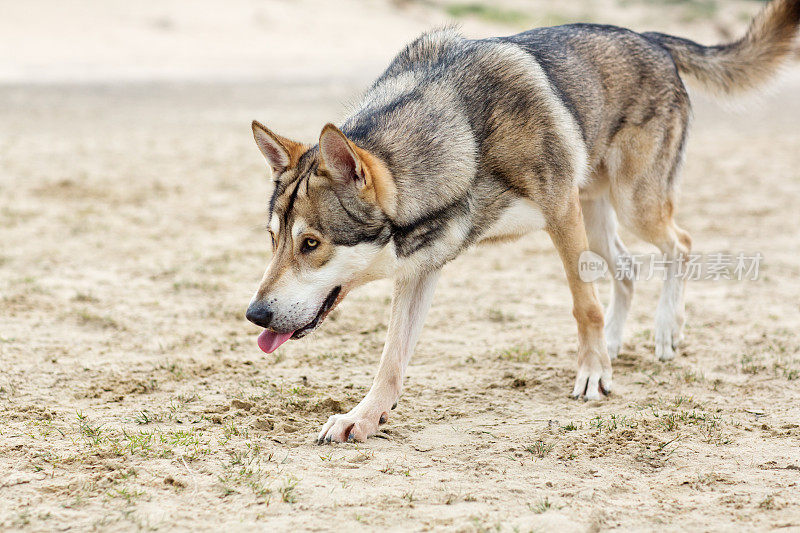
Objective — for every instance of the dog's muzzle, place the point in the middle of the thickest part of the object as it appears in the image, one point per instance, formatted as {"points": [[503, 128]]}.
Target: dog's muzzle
{"points": [[260, 314]]}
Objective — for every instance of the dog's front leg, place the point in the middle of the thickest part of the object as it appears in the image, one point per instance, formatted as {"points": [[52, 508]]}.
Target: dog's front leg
{"points": [[568, 233], [410, 303]]}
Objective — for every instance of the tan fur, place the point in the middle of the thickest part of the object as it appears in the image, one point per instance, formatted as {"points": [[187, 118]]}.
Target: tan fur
{"points": [[749, 62], [281, 261], [381, 188], [569, 237], [379, 184], [321, 256], [519, 144]]}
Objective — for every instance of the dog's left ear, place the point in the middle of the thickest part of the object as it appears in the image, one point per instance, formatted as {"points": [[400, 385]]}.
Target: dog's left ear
{"points": [[351, 166], [341, 158]]}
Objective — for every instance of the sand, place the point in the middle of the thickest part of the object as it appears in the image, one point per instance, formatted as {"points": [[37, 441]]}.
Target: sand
{"points": [[132, 392]]}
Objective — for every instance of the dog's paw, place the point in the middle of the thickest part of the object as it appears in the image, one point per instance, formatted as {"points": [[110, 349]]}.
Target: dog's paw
{"points": [[352, 426], [667, 341], [593, 381]]}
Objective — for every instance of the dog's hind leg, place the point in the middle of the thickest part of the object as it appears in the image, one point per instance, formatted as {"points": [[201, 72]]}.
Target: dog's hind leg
{"points": [[643, 175], [601, 229], [410, 303], [646, 207], [642, 162], [566, 229], [675, 244]]}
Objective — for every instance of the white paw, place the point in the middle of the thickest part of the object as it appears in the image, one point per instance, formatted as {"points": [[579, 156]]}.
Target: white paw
{"points": [[357, 425], [668, 339], [593, 380]]}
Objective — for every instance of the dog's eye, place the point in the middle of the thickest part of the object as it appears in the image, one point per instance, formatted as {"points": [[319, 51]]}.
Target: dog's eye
{"points": [[309, 244]]}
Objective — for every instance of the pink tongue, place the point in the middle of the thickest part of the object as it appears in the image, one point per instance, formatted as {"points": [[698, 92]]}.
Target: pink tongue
{"points": [[269, 341]]}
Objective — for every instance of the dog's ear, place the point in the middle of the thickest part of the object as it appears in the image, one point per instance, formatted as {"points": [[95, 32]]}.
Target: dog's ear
{"points": [[341, 159], [352, 166], [281, 153]]}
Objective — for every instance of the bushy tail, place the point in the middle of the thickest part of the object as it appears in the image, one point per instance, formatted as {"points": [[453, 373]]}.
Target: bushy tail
{"points": [[745, 64]]}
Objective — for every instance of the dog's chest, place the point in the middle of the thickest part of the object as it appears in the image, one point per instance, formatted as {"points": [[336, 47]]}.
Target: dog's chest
{"points": [[520, 217]]}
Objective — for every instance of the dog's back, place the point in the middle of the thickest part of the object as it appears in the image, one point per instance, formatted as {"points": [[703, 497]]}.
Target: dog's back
{"points": [[608, 77]]}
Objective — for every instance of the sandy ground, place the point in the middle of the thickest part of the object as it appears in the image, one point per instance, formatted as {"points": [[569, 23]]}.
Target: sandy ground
{"points": [[133, 396]]}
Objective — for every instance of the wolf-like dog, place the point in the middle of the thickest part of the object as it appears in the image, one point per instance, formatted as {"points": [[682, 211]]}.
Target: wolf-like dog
{"points": [[569, 129]]}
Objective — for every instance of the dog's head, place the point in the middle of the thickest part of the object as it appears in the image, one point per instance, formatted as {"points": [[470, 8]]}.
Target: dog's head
{"points": [[328, 226]]}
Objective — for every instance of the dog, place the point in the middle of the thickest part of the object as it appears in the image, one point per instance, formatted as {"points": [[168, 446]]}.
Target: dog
{"points": [[569, 129]]}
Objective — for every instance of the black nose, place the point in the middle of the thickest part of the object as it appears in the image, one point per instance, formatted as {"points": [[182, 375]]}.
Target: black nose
{"points": [[259, 315]]}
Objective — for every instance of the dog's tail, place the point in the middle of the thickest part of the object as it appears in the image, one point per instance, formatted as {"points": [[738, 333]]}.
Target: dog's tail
{"points": [[745, 64]]}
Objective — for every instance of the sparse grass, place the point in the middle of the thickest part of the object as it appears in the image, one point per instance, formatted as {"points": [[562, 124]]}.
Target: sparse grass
{"points": [[541, 506], [86, 317], [230, 430], [499, 316], [84, 297], [173, 368], [187, 443], [517, 354], [656, 430], [484, 525], [453, 497], [245, 471], [196, 285], [146, 417], [692, 376], [393, 468], [494, 14], [93, 434], [363, 455], [287, 490], [129, 495], [669, 422], [750, 364], [670, 417], [539, 449], [184, 399], [768, 503], [612, 423], [787, 367], [776, 351]]}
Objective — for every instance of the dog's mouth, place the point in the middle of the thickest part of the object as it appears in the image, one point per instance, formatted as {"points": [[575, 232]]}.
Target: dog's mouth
{"points": [[330, 302], [269, 341]]}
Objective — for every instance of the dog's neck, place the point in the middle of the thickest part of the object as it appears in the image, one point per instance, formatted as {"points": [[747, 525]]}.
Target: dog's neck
{"points": [[429, 175]]}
